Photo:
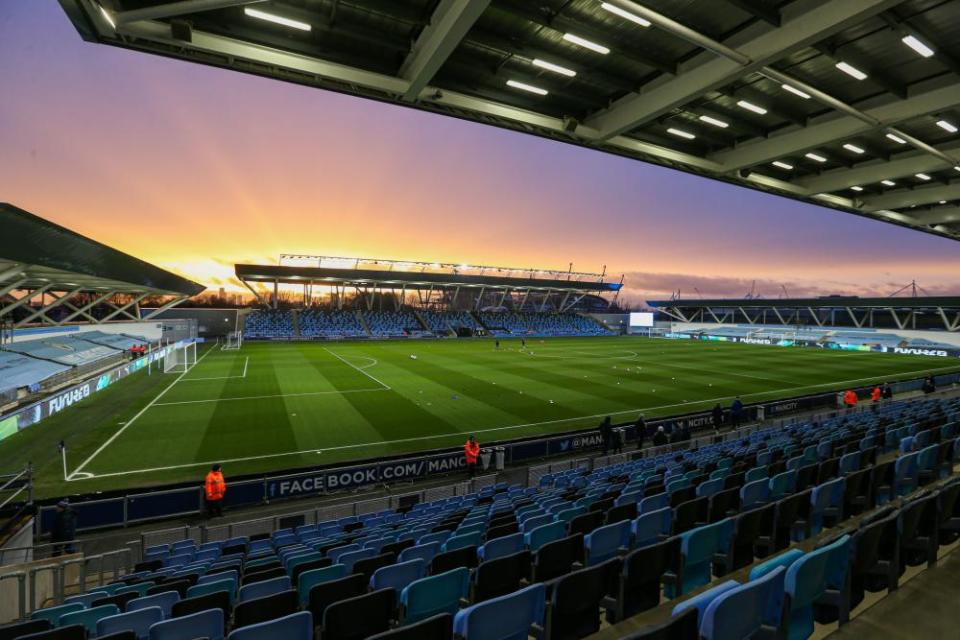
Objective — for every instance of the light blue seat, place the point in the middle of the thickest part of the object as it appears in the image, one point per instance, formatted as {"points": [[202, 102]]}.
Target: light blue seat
{"points": [[296, 561], [165, 600], [335, 553], [437, 594], [812, 577], [508, 617], [502, 546], [228, 585], [710, 487], [826, 499], [927, 461], [754, 494], [220, 576], [296, 626], [544, 534], [88, 617], [437, 536], [701, 601], [467, 529], [263, 588], [756, 473], [52, 614], [423, 551], [460, 542], [309, 579], [628, 497], [139, 621], [850, 462], [784, 560], [783, 484], [906, 474], [653, 503], [650, 527], [698, 548], [537, 521], [86, 599], [398, 576], [607, 542], [348, 559], [746, 609], [139, 588], [676, 485], [569, 514], [205, 624]]}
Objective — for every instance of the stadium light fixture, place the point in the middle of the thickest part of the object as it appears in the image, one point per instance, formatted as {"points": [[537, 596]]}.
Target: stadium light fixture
{"points": [[680, 133], [782, 165], [943, 202], [749, 106], [549, 66], [896, 138], [923, 176], [947, 126], [274, 18], [715, 122], [917, 45], [792, 89], [632, 17], [888, 183], [852, 147], [583, 42], [856, 188], [851, 70], [956, 168], [108, 17], [523, 86], [816, 157]]}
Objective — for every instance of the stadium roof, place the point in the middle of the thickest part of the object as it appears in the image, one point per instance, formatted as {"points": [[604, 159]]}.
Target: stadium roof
{"points": [[851, 104], [926, 302], [412, 279], [39, 258]]}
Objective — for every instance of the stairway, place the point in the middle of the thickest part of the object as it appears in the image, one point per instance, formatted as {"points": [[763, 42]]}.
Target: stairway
{"points": [[363, 322]]}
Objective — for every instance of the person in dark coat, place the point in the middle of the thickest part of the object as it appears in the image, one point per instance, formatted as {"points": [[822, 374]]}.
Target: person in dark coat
{"points": [[660, 437], [736, 412], [717, 417], [64, 528], [606, 431], [640, 426], [886, 391], [685, 433], [929, 385]]}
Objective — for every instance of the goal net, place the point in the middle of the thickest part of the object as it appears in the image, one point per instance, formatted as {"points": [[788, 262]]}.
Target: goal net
{"points": [[180, 359], [233, 341]]}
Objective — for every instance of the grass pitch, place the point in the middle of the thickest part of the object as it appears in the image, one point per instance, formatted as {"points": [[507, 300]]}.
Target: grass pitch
{"points": [[284, 405]]}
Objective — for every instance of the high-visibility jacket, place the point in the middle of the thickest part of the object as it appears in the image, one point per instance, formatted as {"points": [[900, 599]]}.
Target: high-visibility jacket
{"points": [[875, 394], [471, 451], [214, 487], [850, 398]]}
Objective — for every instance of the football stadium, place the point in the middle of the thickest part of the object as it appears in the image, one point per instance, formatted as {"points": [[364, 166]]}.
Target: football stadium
{"points": [[392, 433]]}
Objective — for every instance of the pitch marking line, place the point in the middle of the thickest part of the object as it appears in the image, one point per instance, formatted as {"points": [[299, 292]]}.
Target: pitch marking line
{"points": [[360, 369], [243, 375], [276, 395], [74, 476], [132, 420]]}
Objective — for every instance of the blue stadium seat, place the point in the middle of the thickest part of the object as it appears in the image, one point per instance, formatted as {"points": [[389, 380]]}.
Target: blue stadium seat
{"points": [[809, 579], [607, 542], [509, 617], [743, 611], [205, 624], [436, 594], [139, 621], [296, 626], [88, 617], [398, 576], [651, 527], [543, 534], [500, 547], [263, 588], [164, 600]]}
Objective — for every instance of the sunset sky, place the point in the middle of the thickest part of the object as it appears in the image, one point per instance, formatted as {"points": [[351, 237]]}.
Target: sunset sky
{"points": [[195, 168]]}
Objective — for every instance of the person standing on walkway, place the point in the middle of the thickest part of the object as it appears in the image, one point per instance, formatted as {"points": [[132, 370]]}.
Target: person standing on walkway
{"points": [[640, 427], [736, 412], [471, 453], [717, 416], [606, 431], [214, 489], [64, 528]]}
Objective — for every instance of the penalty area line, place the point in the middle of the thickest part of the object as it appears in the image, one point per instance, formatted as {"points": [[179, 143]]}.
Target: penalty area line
{"points": [[76, 475], [242, 375], [360, 369]]}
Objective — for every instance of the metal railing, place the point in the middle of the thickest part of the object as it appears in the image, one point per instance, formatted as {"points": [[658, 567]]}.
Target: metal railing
{"points": [[14, 485]]}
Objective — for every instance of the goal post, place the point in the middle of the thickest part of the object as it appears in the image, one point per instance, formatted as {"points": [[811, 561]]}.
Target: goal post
{"points": [[233, 341], [180, 359]]}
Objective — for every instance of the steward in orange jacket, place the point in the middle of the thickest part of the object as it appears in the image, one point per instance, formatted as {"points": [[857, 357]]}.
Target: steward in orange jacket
{"points": [[876, 394], [850, 398], [471, 453], [214, 488]]}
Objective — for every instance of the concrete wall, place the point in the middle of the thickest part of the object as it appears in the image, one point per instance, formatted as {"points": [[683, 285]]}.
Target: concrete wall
{"points": [[937, 336]]}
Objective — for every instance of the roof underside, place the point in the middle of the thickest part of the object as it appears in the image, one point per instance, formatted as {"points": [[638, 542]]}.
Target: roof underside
{"points": [[928, 302], [697, 59], [37, 254], [399, 279]]}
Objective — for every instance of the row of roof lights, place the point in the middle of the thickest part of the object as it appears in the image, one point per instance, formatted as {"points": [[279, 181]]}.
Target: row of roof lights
{"points": [[276, 19]]}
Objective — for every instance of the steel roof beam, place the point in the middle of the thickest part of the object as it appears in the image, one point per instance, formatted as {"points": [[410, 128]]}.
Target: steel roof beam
{"points": [[450, 22], [940, 215], [804, 27], [901, 199], [174, 9], [770, 15], [839, 128], [878, 77], [896, 168]]}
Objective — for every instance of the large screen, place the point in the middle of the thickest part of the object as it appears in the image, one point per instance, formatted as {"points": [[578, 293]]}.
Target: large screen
{"points": [[641, 319]]}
